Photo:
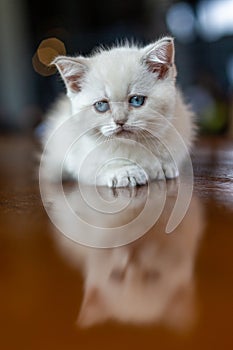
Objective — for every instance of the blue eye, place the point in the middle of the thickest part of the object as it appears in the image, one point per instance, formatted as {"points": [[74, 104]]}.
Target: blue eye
{"points": [[102, 106], [137, 100]]}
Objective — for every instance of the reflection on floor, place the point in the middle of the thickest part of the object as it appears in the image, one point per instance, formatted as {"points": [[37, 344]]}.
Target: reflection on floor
{"points": [[149, 280], [165, 290]]}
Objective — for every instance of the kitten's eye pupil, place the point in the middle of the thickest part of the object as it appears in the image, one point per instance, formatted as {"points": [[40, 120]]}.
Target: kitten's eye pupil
{"points": [[102, 106], [137, 100]]}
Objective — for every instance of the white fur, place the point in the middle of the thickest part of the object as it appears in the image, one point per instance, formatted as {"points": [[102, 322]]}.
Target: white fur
{"points": [[115, 75]]}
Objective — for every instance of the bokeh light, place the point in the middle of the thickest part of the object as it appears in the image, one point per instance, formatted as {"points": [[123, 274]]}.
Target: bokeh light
{"points": [[215, 18], [47, 51], [181, 21]]}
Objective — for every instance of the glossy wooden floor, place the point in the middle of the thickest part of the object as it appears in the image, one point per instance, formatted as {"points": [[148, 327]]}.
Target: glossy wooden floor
{"points": [[160, 292]]}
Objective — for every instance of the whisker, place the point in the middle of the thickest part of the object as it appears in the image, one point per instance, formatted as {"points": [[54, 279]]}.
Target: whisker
{"points": [[148, 141]]}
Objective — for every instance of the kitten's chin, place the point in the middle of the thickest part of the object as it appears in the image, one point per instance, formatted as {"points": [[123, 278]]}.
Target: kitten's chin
{"points": [[125, 134]]}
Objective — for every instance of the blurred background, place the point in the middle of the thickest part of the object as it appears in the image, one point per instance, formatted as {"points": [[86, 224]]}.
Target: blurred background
{"points": [[203, 32]]}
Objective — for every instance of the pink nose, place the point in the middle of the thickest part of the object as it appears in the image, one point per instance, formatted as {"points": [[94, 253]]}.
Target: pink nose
{"points": [[120, 122]]}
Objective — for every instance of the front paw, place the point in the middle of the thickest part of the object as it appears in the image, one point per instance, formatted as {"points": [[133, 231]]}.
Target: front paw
{"points": [[127, 177], [170, 171], [164, 171]]}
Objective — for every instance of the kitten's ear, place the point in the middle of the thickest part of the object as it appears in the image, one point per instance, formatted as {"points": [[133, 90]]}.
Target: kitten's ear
{"points": [[72, 71], [159, 57]]}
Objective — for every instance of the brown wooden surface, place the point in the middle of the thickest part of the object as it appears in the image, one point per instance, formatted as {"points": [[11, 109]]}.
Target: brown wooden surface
{"points": [[41, 290]]}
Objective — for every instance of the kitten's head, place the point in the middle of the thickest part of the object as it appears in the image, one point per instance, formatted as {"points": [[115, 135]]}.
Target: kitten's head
{"points": [[124, 90]]}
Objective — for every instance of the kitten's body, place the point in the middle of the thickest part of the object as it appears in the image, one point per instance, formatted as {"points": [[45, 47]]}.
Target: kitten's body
{"points": [[130, 144]]}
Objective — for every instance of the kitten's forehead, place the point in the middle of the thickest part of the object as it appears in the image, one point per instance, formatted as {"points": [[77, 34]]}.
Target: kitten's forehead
{"points": [[116, 71], [118, 54]]}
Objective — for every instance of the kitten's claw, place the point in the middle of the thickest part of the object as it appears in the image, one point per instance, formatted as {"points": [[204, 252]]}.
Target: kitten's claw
{"points": [[112, 182], [132, 181]]}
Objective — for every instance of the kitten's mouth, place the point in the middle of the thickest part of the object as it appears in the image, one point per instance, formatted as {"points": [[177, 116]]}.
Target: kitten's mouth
{"points": [[124, 130]]}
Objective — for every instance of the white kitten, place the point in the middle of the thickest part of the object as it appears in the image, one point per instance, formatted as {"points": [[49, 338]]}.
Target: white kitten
{"points": [[120, 122]]}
